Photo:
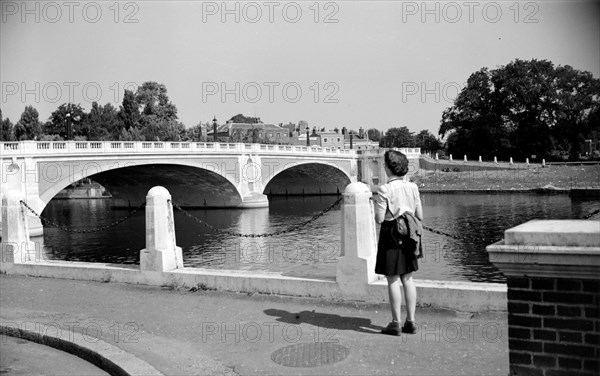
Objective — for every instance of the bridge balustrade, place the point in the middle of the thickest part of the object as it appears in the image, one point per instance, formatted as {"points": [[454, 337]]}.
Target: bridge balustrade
{"points": [[38, 148]]}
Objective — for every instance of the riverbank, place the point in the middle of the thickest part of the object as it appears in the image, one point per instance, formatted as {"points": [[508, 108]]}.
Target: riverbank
{"points": [[84, 191], [557, 179]]}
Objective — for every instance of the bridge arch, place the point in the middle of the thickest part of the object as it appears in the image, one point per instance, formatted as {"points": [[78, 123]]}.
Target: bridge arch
{"points": [[192, 183], [309, 177]]}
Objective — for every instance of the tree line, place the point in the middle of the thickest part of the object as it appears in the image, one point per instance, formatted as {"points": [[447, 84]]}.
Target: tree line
{"points": [[524, 109], [147, 114]]}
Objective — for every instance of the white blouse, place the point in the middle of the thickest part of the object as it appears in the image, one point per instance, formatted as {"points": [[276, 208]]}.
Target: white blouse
{"points": [[400, 195]]}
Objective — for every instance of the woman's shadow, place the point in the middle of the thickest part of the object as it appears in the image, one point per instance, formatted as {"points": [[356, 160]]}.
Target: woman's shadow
{"points": [[325, 320]]}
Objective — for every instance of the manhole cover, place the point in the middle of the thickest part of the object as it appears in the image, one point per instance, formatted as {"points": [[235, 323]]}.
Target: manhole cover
{"points": [[312, 354]]}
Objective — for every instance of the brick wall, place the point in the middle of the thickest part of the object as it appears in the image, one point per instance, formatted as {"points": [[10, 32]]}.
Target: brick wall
{"points": [[554, 326]]}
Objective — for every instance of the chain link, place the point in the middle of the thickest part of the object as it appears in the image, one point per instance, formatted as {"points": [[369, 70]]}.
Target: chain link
{"points": [[473, 239], [88, 231], [464, 238], [592, 214], [264, 235]]}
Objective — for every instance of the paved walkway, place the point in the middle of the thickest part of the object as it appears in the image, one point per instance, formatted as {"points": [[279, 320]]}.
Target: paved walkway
{"points": [[214, 333]]}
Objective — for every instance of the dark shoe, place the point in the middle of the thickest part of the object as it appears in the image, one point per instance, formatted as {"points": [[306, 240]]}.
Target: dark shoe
{"points": [[392, 329], [409, 327]]}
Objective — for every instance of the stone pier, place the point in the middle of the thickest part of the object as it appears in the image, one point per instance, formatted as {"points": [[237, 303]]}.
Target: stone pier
{"points": [[553, 273]]}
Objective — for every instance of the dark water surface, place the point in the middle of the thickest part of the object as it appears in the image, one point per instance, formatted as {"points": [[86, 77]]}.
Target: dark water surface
{"points": [[311, 251]]}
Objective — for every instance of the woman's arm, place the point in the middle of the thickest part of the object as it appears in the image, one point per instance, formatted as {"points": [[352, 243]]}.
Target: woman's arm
{"points": [[418, 206], [380, 204]]}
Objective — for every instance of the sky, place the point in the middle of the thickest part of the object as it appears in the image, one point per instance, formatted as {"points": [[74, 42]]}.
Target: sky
{"points": [[370, 64]]}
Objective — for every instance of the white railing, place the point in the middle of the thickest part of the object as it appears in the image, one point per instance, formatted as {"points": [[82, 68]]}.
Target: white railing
{"points": [[409, 152], [48, 148]]}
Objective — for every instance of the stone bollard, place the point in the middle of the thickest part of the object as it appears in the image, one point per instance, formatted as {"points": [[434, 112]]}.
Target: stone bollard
{"points": [[161, 252], [527, 161], [543, 163], [16, 246], [465, 158], [450, 156], [356, 266], [436, 156], [511, 161], [495, 160], [480, 159]]}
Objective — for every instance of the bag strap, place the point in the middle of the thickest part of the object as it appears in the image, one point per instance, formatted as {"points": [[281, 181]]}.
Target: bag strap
{"points": [[389, 211]]}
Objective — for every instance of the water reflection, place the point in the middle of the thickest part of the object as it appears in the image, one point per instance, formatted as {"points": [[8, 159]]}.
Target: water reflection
{"points": [[310, 251]]}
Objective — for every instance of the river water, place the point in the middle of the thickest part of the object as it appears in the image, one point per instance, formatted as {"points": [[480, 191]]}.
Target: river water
{"points": [[310, 251]]}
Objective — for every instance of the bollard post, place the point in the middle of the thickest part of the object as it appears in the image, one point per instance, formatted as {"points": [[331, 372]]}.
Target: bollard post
{"points": [[436, 156], [16, 246], [465, 158], [495, 160], [450, 156], [527, 161], [356, 266], [161, 252], [480, 159], [511, 161], [543, 162]]}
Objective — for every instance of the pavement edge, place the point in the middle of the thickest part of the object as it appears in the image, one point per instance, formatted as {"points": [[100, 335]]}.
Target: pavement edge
{"points": [[105, 356]]}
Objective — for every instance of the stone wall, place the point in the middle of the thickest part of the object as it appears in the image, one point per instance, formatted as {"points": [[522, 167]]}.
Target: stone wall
{"points": [[554, 325], [553, 276]]}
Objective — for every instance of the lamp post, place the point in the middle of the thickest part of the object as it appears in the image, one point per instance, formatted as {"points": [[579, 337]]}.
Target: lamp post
{"points": [[307, 137], [215, 128], [69, 123]]}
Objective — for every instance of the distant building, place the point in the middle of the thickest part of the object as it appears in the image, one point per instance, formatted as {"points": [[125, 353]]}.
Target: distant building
{"points": [[360, 140], [301, 139], [248, 133], [291, 127], [331, 140]]}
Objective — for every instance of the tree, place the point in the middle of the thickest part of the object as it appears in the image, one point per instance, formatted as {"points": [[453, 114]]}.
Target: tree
{"points": [[6, 129], [133, 134], [427, 142], [129, 111], [524, 108], [374, 134], [29, 126], [57, 123], [158, 120], [398, 138], [195, 133], [102, 123]]}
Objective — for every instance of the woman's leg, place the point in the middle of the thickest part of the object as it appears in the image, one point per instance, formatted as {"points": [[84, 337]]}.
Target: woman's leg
{"points": [[395, 295], [410, 295]]}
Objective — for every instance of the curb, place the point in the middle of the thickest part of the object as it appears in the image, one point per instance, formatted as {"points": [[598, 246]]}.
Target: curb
{"points": [[105, 356]]}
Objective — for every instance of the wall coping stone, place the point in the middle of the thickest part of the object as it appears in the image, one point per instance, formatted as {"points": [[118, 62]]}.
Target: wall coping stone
{"points": [[550, 249], [555, 232]]}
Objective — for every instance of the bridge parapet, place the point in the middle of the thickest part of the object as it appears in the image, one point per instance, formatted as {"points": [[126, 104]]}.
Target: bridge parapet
{"points": [[40, 148], [410, 153]]}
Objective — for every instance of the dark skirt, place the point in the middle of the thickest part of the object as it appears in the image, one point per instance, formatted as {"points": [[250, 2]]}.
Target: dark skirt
{"points": [[391, 258]]}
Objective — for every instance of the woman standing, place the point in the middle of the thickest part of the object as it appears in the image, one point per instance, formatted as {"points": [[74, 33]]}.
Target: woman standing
{"points": [[397, 262]]}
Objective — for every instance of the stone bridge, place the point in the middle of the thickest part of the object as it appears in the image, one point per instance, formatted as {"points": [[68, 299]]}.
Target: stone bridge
{"points": [[197, 174]]}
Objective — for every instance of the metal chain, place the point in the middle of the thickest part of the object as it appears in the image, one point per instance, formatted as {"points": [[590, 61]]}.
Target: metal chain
{"points": [[472, 239], [458, 237], [592, 214], [97, 229], [219, 231], [276, 233]]}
